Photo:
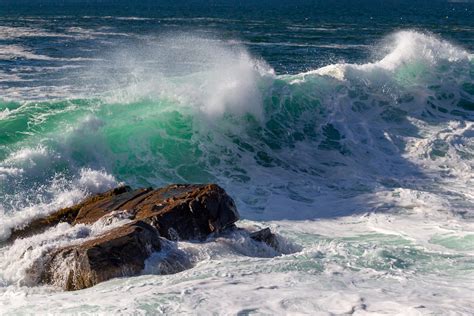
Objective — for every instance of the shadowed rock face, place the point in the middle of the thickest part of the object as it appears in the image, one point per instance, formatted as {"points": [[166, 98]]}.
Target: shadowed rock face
{"points": [[175, 212], [119, 252], [266, 236]]}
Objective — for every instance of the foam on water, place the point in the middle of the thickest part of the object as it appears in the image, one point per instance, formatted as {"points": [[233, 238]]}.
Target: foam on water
{"points": [[346, 267], [59, 193], [364, 170], [23, 262], [15, 51]]}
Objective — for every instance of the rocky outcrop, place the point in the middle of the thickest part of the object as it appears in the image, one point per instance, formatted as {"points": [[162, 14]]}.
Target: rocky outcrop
{"points": [[266, 236], [180, 211], [67, 215], [176, 212], [119, 252]]}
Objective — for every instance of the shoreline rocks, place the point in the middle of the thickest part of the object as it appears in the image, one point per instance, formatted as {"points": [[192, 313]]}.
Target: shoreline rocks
{"points": [[67, 215], [117, 253], [179, 211], [176, 213]]}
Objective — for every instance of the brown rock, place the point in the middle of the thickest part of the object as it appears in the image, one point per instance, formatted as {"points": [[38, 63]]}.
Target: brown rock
{"points": [[186, 211], [181, 211], [92, 211], [68, 215], [119, 252], [175, 212], [266, 236]]}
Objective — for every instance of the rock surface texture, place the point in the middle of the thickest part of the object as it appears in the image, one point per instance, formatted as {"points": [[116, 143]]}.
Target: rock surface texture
{"points": [[176, 212], [180, 211], [266, 236], [117, 253]]}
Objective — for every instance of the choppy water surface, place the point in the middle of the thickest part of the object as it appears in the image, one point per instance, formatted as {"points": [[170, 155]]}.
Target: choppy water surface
{"points": [[347, 128]]}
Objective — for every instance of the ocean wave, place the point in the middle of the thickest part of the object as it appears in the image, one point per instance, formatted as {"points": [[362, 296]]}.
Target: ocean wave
{"points": [[312, 141]]}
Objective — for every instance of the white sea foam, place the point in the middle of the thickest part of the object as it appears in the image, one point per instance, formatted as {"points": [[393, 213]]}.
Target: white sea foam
{"points": [[9, 52], [78, 33], [407, 46], [336, 273], [23, 262], [87, 33], [64, 193], [9, 33], [94, 181], [32, 159], [8, 78], [401, 48], [296, 44], [9, 172]]}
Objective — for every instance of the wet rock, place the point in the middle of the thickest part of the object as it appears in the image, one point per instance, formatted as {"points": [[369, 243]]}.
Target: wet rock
{"points": [[97, 208], [120, 252], [179, 212], [183, 212], [175, 212], [266, 236], [67, 215]]}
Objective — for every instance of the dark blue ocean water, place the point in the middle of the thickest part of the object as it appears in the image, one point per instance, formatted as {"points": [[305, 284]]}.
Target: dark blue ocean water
{"points": [[292, 36]]}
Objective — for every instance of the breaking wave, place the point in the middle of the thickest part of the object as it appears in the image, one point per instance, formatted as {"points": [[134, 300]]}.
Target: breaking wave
{"points": [[208, 112]]}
